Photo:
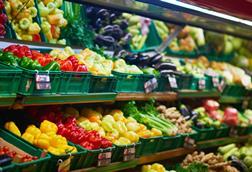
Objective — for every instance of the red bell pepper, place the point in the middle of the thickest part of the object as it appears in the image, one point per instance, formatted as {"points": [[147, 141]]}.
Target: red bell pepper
{"points": [[66, 65], [81, 68], [36, 38]]}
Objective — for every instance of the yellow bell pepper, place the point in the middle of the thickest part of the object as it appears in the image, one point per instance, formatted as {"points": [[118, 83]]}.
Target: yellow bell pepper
{"points": [[120, 127], [28, 137], [33, 11], [7, 7], [45, 2], [156, 132], [42, 142], [11, 126], [33, 130], [47, 126], [26, 37], [132, 136], [24, 23], [54, 151], [58, 141], [54, 18], [34, 29]]}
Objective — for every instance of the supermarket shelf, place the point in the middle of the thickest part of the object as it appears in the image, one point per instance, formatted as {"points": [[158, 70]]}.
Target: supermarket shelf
{"points": [[197, 94], [180, 13], [7, 100], [222, 141], [68, 99], [165, 155], [161, 96], [229, 99]]}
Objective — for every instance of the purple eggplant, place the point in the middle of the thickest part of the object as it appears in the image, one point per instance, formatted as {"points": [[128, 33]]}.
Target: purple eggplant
{"points": [[103, 14], [5, 160], [166, 66], [105, 40], [125, 39], [156, 59], [124, 24]]}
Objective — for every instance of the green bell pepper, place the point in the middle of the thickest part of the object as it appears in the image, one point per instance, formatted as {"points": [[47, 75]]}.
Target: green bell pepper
{"points": [[52, 66], [25, 62], [34, 65], [9, 58]]}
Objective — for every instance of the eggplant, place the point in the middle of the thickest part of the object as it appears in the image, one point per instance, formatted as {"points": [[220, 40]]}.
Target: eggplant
{"points": [[185, 112], [156, 59], [112, 17], [105, 40], [103, 14], [143, 61], [121, 53], [199, 124], [166, 66], [239, 165], [98, 23], [91, 11], [117, 33], [131, 59], [107, 30], [5, 160], [124, 24]]}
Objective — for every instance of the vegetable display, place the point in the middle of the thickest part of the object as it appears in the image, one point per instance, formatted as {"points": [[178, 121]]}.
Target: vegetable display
{"points": [[22, 16], [173, 115], [110, 28], [52, 20], [156, 167], [46, 137], [148, 116], [213, 162]]}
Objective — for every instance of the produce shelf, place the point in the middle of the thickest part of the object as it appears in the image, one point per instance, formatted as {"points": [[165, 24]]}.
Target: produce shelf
{"points": [[6, 100], [197, 94], [165, 155], [161, 96], [66, 99], [180, 13], [229, 99], [222, 141]]}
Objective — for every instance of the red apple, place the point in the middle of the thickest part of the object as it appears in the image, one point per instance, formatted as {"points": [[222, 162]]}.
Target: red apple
{"points": [[211, 105]]}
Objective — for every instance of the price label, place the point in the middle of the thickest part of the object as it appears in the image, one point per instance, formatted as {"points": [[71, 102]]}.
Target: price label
{"points": [[42, 78], [104, 159], [189, 142], [215, 81], [43, 86], [233, 131], [202, 84], [222, 85], [150, 85], [129, 153], [64, 166], [43, 82], [173, 82]]}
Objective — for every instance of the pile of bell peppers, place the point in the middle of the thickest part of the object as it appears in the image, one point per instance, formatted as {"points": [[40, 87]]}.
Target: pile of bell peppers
{"points": [[24, 57], [87, 139], [3, 19], [21, 14], [46, 137]]}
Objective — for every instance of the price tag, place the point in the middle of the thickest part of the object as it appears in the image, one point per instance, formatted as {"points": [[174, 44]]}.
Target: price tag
{"points": [[189, 142], [172, 81], [129, 153], [215, 81], [150, 85], [43, 82], [42, 78], [104, 159], [202, 84], [233, 131], [222, 85], [64, 166]]}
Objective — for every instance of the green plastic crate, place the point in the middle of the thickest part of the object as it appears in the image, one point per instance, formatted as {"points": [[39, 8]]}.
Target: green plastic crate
{"points": [[142, 79], [209, 81], [39, 165], [223, 131], [204, 133], [92, 156], [184, 81], [163, 84], [77, 159], [126, 82], [170, 142], [102, 84], [148, 146], [9, 79], [28, 82], [119, 151], [8, 168], [243, 130], [234, 90], [74, 83]]}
